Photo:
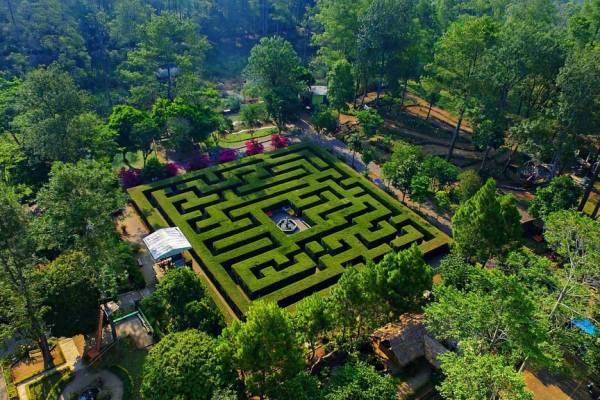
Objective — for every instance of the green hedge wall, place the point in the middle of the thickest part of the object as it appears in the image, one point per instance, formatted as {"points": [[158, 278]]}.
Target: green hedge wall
{"points": [[223, 211]]}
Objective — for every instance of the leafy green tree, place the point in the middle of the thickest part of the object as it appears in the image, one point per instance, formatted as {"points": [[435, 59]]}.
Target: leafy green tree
{"points": [[47, 101], [91, 138], [340, 85], [312, 319], [303, 386], [252, 114], [485, 224], [456, 272], [470, 376], [8, 99], [325, 120], [169, 53], [181, 302], [129, 15], [275, 70], [186, 123], [469, 182], [402, 278], [77, 204], [368, 156], [122, 121], [360, 381], [403, 165], [562, 194], [355, 143], [265, 347], [440, 171], [419, 188], [495, 314], [70, 294], [186, 365], [143, 136], [443, 204], [458, 58], [21, 305], [370, 121]]}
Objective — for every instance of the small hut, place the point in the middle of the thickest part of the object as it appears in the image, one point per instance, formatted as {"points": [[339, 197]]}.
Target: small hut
{"points": [[405, 341]]}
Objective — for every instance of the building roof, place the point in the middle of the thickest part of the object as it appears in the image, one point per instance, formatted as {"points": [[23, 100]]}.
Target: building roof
{"points": [[166, 242], [319, 90]]}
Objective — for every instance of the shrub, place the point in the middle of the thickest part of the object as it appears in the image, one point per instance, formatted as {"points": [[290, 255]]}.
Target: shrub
{"points": [[198, 161], [153, 171], [226, 155], [278, 141], [172, 169], [561, 194], [469, 183], [130, 177], [442, 202], [254, 147]]}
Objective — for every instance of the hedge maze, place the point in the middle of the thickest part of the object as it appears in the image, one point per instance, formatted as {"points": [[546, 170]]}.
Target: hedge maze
{"points": [[224, 211]]}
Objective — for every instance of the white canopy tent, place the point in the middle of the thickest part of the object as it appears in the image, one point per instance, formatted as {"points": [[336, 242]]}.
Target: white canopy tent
{"points": [[167, 242]]}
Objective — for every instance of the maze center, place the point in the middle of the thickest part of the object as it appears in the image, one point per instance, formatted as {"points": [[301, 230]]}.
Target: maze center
{"points": [[228, 213]]}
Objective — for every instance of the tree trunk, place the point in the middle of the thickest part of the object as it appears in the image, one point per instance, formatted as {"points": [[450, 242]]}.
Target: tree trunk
{"points": [[45, 347], [429, 111], [513, 151], [485, 157], [590, 186], [404, 87], [455, 134], [596, 209], [12, 13], [125, 160], [14, 136]]}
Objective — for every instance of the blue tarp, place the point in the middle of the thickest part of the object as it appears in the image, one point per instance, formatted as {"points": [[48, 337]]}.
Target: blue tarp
{"points": [[586, 326]]}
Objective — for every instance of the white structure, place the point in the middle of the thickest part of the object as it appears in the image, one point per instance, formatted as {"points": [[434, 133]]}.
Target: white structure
{"points": [[165, 243]]}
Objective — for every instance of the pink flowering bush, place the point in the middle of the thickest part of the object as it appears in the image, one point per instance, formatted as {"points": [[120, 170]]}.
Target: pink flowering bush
{"points": [[172, 169], [199, 161], [278, 141], [226, 155], [130, 177], [254, 147]]}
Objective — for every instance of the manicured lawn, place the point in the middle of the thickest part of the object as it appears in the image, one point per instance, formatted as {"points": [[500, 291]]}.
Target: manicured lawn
{"points": [[234, 140], [51, 383], [226, 211]]}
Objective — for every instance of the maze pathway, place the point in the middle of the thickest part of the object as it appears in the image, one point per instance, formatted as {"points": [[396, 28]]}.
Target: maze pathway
{"points": [[224, 212]]}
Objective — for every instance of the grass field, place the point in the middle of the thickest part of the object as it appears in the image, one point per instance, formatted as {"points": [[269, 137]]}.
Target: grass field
{"points": [[224, 212], [235, 140]]}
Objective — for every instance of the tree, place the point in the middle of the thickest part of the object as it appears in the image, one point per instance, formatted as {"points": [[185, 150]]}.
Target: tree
{"points": [[252, 114], [325, 120], [77, 204], [122, 121], [354, 141], [368, 156], [274, 69], [185, 122], [561, 194], [458, 57], [494, 314], [370, 121], [186, 365], [403, 165], [47, 101], [70, 295], [474, 377], [443, 204], [360, 381], [91, 138], [402, 278], [312, 319], [21, 307], [440, 171], [419, 188], [265, 347], [340, 85], [469, 182], [181, 302], [485, 224], [170, 54], [303, 386], [143, 135]]}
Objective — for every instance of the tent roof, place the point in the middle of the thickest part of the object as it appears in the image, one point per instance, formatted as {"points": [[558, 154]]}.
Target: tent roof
{"points": [[586, 325], [319, 90], [166, 243]]}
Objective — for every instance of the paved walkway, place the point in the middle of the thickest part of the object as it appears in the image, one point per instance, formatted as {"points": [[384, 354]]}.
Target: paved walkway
{"points": [[88, 378]]}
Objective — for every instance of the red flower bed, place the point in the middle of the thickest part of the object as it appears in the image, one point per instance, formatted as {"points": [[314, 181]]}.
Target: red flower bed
{"points": [[199, 161], [172, 169], [278, 141], [130, 177], [254, 147], [226, 155]]}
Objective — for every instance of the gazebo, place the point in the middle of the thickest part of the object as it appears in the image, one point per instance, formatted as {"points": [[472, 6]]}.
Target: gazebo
{"points": [[166, 243]]}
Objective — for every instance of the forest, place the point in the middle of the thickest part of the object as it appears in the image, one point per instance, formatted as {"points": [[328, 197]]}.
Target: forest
{"points": [[477, 115]]}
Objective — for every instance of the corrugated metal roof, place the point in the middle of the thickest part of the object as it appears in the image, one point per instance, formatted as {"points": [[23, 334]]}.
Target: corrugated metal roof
{"points": [[166, 243]]}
